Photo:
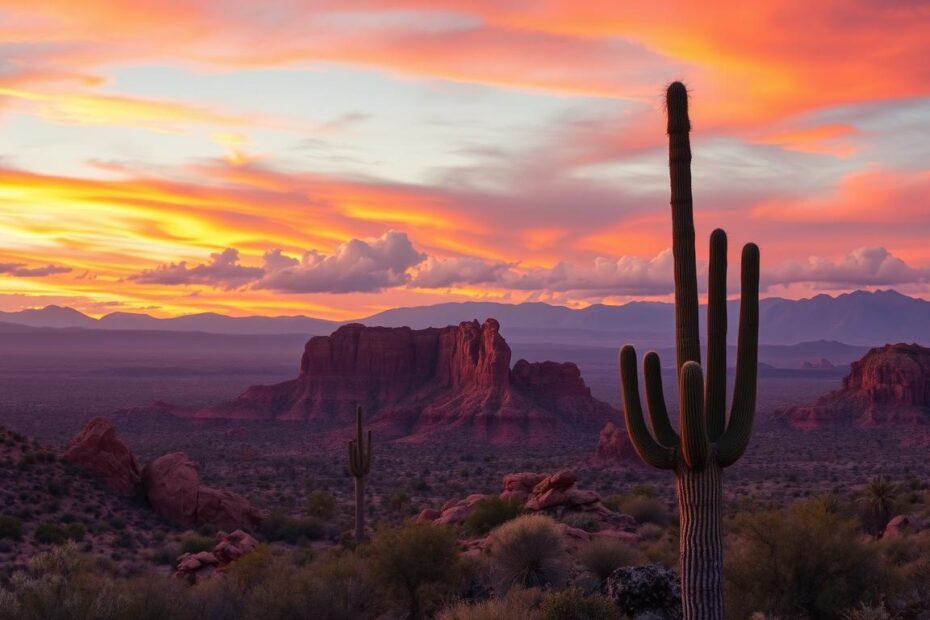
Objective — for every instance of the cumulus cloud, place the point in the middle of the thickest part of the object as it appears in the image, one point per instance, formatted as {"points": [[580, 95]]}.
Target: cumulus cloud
{"points": [[458, 271], [20, 270], [222, 271], [861, 267], [358, 265]]}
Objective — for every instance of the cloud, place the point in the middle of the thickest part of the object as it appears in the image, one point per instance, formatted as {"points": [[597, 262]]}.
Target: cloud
{"points": [[20, 270], [357, 265], [862, 267], [448, 272], [223, 271]]}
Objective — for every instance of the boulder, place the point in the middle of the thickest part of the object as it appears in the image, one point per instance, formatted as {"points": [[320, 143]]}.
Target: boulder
{"points": [[897, 527], [229, 548], [233, 546], [172, 485], [645, 591], [428, 516], [98, 450], [561, 480]]}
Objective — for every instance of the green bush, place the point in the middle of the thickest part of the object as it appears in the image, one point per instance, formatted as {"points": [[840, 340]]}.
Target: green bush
{"points": [[602, 557], [320, 505], [518, 603], [528, 552], [280, 527], [50, 534], [489, 513], [572, 604], [416, 562], [10, 527], [196, 544], [644, 509], [802, 559]]}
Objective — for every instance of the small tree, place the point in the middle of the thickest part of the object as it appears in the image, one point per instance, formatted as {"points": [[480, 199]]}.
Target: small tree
{"points": [[412, 558], [879, 499]]}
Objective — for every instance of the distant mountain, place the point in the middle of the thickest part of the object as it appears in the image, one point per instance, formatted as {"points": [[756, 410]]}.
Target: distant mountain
{"points": [[859, 318], [56, 316]]}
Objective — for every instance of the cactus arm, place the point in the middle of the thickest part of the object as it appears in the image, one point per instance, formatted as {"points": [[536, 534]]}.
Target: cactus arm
{"points": [[655, 397], [650, 451], [694, 444], [735, 439], [688, 347], [715, 395]]}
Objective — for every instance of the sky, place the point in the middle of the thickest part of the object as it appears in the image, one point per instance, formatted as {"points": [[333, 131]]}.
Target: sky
{"points": [[337, 158]]}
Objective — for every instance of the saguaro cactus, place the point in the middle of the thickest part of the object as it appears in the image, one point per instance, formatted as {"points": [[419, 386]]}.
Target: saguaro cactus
{"points": [[708, 442], [359, 467]]}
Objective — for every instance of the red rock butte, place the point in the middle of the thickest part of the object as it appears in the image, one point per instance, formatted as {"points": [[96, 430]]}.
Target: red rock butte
{"points": [[453, 383], [889, 386]]}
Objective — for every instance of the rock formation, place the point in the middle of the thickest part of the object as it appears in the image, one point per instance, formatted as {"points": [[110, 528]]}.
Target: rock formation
{"points": [[204, 564], [889, 386], [614, 446], [553, 494], [420, 384], [98, 450], [172, 486]]}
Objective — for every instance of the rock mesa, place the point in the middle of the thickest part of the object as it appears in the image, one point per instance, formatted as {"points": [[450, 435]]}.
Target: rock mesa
{"points": [[455, 382], [889, 386]]}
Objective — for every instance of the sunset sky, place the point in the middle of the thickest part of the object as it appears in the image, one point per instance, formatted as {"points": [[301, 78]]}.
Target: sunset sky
{"points": [[336, 158]]}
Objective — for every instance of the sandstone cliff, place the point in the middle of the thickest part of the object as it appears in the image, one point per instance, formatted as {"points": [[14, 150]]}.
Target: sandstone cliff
{"points": [[889, 386], [453, 381]]}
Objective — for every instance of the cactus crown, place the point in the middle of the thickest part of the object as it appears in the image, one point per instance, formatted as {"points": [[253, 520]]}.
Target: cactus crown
{"points": [[705, 431], [359, 453]]}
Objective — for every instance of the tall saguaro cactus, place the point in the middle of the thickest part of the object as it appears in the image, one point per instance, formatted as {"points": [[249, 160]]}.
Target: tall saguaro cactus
{"points": [[359, 467], [707, 442]]}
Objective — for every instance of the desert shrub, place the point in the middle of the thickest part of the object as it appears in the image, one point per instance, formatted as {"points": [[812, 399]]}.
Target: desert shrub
{"points": [[800, 559], [416, 562], [866, 612], [75, 532], [603, 557], [528, 552], [573, 604], [10, 527], [195, 544], [280, 527], [582, 520], [650, 531], [320, 505], [644, 509], [489, 513], [517, 603], [50, 534]]}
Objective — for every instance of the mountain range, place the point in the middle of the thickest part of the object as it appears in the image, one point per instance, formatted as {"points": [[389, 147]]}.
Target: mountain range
{"points": [[858, 318]]}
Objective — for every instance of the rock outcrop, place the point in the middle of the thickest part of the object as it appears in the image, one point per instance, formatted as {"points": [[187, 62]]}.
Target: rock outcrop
{"points": [[889, 386], [229, 548], [553, 494], [614, 446], [172, 486], [98, 450], [453, 381]]}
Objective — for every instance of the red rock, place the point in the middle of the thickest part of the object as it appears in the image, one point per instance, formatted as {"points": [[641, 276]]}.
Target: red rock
{"points": [[614, 446], [422, 384], [889, 386], [897, 527], [579, 497], [428, 515], [514, 496], [561, 480], [172, 486], [547, 499], [233, 546], [455, 514], [225, 509], [98, 450], [522, 481]]}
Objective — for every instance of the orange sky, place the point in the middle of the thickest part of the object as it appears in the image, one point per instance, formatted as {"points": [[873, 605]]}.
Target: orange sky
{"points": [[339, 158]]}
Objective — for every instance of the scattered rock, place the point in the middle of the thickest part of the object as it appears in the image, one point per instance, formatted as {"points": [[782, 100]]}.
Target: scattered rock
{"points": [[205, 564], [98, 450], [645, 591], [897, 527]]}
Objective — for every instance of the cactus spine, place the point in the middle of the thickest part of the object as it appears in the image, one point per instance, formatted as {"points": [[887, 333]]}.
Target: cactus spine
{"points": [[708, 442], [359, 467]]}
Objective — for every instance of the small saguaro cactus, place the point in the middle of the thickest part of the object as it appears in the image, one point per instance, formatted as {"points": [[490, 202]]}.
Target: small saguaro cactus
{"points": [[708, 442], [359, 467]]}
